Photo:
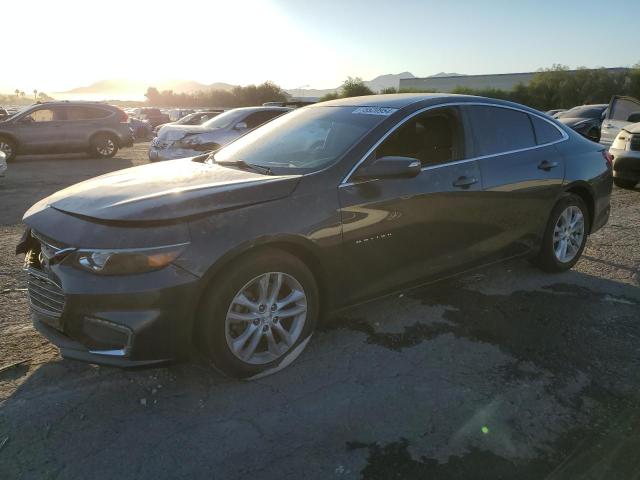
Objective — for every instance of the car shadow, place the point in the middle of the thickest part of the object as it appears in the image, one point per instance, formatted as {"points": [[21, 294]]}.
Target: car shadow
{"points": [[506, 371]]}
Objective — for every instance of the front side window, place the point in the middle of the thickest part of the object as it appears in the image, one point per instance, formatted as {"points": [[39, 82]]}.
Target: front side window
{"points": [[304, 140], [623, 108], [433, 137], [43, 115], [499, 130], [258, 118]]}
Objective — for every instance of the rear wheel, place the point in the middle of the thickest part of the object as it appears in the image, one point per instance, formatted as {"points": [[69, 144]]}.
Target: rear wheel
{"points": [[8, 147], [260, 315], [104, 145], [623, 183], [565, 236]]}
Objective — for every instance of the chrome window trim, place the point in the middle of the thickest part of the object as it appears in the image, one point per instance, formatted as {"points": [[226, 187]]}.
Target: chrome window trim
{"points": [[345, 181]]}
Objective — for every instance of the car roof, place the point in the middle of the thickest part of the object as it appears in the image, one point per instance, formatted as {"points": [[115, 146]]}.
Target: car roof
{"points": [[257, 109], [393, 100], [402, 101]]}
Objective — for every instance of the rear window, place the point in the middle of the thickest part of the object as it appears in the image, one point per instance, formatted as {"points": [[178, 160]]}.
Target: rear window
{"points": [[545, 132], [499, 130]]}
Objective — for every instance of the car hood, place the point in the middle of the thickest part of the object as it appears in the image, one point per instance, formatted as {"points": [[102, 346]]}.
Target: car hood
{"points": [[572, 121], [166, 191], [633, 128], [172, 133]]}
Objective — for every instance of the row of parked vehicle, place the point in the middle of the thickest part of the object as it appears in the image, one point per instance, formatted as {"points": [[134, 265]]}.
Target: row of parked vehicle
{"points": [[616, 125]]}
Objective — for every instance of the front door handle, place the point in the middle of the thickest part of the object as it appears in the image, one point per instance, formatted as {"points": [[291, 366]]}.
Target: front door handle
{"points": [[546, 166], [465, 182]]}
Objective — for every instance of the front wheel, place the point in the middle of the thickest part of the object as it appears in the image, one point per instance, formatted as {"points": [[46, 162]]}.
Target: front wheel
{"points": [[259, 317], [8, 147], [104, 146], [565, 236]]}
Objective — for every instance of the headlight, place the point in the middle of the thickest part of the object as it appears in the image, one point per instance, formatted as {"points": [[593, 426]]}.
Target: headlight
{"points": [[126, 261], [195, 142]]}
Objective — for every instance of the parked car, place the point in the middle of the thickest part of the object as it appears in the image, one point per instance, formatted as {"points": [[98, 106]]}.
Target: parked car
{"points": [[142, 129], [622, 111], [181, 141], [585, 119], [153, 115], [196, 118], [625, 151], [65, 127], [554, 113], [241, 251], [3, 113]]}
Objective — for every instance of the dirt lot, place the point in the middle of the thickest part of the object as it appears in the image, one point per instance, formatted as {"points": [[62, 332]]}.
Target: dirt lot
{"points": [[504, 373]]}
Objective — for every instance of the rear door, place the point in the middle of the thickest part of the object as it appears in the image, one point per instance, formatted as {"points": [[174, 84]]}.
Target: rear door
{"points": [[398, 230], [39, 131], [522, 173], [622, 111], [82, 122]]}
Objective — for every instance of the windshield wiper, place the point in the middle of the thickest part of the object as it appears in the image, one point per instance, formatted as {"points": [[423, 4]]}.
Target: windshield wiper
{"points": [[246, 166]]}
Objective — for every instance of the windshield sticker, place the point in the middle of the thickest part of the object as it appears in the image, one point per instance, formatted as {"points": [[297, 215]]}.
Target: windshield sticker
{"points": [[386, 111]]}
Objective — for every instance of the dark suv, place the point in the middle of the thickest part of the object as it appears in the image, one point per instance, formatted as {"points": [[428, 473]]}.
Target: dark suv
{"points": [[65, 127]]}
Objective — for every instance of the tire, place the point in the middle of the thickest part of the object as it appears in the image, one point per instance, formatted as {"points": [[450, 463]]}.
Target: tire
{"points": [[104, 145], [9, 147], [548, 258], [623, 183], [255, 325]]}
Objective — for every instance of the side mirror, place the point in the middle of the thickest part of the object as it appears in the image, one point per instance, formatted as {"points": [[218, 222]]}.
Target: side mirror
{"points": [[240, 126], [634, 117], [390, 167]]}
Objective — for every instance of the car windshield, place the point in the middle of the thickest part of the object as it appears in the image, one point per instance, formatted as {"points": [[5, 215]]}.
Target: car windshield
{"points": [[583, 112], [306, 140], [187, 118], [225, 119]]}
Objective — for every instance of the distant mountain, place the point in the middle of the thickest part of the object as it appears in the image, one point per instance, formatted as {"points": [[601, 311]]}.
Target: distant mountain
{"points": [[386, 81], [376, 84], [445, 74]]}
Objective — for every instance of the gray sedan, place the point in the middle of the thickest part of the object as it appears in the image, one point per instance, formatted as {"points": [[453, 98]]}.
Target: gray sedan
{"points": [[181, 141]]}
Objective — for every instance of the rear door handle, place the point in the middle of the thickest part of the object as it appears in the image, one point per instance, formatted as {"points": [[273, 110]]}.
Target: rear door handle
{"points": [[465, 182], [546, 166]]}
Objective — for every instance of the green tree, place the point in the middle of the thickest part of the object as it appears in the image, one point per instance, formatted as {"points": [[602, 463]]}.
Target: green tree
{"points": [[354, 87]]}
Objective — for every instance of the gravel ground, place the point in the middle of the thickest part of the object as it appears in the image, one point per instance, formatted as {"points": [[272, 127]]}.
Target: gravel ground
{"points": [[503, 373]]}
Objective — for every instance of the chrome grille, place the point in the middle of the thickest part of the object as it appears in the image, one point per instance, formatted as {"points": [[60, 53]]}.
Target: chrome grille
{"points": [[45, 295]]}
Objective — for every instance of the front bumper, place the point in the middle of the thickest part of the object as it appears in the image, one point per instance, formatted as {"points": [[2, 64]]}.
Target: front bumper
{"points": [[125, 321], [626, 164]]}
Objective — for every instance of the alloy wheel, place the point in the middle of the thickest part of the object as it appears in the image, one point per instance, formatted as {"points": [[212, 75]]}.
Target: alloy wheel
{"points": [[266, 318], [6, 149], [106, 147], [568, 234]]}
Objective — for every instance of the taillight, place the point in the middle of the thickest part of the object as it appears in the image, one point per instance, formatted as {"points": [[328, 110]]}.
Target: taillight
{"points": [[608, 157], [124, 118]]}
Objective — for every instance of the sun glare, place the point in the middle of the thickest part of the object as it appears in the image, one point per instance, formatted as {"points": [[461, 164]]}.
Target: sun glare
{"points": [[67, 44]]}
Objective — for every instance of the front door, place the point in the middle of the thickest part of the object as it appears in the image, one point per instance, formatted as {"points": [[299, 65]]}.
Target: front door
{"points": [[39, 131], [399, 230], [622, 111]]}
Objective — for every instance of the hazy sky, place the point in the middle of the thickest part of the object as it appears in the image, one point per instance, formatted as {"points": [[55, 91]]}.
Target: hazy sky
{"points": [[57, 45]]}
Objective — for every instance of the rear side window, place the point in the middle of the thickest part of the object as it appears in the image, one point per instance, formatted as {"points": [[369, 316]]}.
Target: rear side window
{"points": [[545, 132], [86, 113], [499, 130]]}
